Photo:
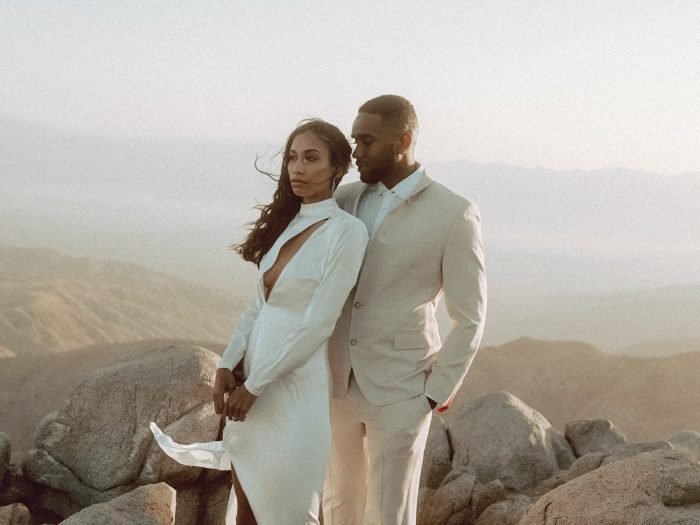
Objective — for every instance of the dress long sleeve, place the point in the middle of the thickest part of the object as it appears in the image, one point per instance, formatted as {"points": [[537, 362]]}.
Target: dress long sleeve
{"points": [[239, 339], [343, 261]]}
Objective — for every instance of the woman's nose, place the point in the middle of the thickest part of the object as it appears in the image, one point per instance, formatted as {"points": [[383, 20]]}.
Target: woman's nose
{"points": [[297, 166]]}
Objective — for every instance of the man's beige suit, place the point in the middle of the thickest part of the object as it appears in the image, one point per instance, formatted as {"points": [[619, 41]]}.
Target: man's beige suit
{"points": [[430, 245]]}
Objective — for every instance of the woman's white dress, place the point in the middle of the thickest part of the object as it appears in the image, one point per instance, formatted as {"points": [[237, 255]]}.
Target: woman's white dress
{"points": [[280, 451]]}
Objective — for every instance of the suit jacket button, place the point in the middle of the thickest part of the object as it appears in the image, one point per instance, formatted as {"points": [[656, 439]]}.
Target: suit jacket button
{"points": [[353, 342], [357, 304]]}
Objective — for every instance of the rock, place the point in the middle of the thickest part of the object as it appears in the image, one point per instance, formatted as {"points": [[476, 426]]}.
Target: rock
{"points": [[447, 504], [15, 487], [187, 504], [147, 505], [437, 461], [592, 435], [216, 503], [506, 512], [628, 450], [485, 495], [98, 445], [500, 437], [687, 441], [15, 514], [4, 454], [652, 488], [590, 462]]}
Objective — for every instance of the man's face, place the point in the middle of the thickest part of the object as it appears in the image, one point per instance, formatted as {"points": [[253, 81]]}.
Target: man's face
{"points": [[376, 147]]}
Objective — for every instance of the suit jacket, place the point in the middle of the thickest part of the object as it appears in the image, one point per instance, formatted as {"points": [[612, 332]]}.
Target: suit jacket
{"points": [[429, 245]]}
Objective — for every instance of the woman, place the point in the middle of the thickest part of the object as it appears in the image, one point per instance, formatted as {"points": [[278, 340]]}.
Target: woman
{"points": [[309, 254]]}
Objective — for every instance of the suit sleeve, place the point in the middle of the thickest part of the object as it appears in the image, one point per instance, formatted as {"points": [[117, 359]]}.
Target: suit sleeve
{"points": [[464, 288], [239, 339], [343, 262]]}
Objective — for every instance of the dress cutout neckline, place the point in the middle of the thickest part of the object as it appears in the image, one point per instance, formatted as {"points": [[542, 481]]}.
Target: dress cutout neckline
{"points": [[306, 233]]}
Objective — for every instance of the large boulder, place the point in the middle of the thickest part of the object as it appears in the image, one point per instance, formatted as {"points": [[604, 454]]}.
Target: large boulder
{"points": [[98, 445], [148, 505], [686, 441], [500, 437], [437, 460], [652, 488], [587, 436]]}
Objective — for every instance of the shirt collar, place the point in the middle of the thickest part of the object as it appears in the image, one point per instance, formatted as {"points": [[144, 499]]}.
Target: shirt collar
{"points": [[403, 189]]}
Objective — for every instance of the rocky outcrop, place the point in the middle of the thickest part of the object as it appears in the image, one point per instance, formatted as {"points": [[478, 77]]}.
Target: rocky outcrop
{"points": [[500, 437], [98, 445], [494, 461], [506, 459], [652, 488], [148, 505]]}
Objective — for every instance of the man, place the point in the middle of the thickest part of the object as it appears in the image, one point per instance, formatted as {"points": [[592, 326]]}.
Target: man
{"points": [[389, 367]]}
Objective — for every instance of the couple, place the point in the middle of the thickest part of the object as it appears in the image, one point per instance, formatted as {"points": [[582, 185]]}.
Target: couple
{"points": [[349, 283]]}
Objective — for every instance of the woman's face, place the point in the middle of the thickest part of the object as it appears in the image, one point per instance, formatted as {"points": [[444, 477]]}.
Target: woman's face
{"points": [[310, 171]]}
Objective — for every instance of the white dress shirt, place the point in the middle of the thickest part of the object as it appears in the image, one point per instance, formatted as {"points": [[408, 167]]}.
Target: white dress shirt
{"points": [[377, 201]]}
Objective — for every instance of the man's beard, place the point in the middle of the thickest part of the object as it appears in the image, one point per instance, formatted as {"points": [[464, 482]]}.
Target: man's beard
{"points": [[379, 172]]}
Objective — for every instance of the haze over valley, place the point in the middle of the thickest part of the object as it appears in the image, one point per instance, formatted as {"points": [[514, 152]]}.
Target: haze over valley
{"points": [[611, 258]]}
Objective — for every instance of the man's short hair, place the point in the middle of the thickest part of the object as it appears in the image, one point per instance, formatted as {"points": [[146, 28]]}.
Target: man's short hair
{"points": [[395, 111]]}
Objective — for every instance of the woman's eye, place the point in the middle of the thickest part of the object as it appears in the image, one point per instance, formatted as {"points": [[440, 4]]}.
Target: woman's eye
{"points": [[311, 158]]}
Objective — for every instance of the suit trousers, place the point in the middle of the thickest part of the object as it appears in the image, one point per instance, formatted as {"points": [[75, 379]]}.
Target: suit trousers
{"points": [[375, 461]]}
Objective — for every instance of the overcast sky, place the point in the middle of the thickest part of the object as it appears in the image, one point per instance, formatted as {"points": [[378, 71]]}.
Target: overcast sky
{"points": [[559, 84]]}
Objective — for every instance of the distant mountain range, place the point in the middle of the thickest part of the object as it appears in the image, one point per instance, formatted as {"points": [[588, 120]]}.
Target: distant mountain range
{"points": [[648, 399], [52, 303]]}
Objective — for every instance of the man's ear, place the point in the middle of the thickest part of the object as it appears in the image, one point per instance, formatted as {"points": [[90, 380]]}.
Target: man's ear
{"points": [[405, 141]]}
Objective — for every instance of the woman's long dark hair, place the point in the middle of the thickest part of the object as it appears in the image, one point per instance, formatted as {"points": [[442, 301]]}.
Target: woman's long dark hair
{"points": [[277, 215]]}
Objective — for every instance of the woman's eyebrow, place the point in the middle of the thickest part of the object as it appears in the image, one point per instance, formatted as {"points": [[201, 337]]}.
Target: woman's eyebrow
{"points": [[312, 150]]}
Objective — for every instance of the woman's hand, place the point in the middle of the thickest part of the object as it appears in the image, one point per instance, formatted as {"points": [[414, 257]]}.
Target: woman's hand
{"points": [[224, 382], [238, 403]]}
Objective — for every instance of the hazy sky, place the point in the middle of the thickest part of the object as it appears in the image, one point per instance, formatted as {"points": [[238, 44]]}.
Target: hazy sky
{"points": [[561, 84]]}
